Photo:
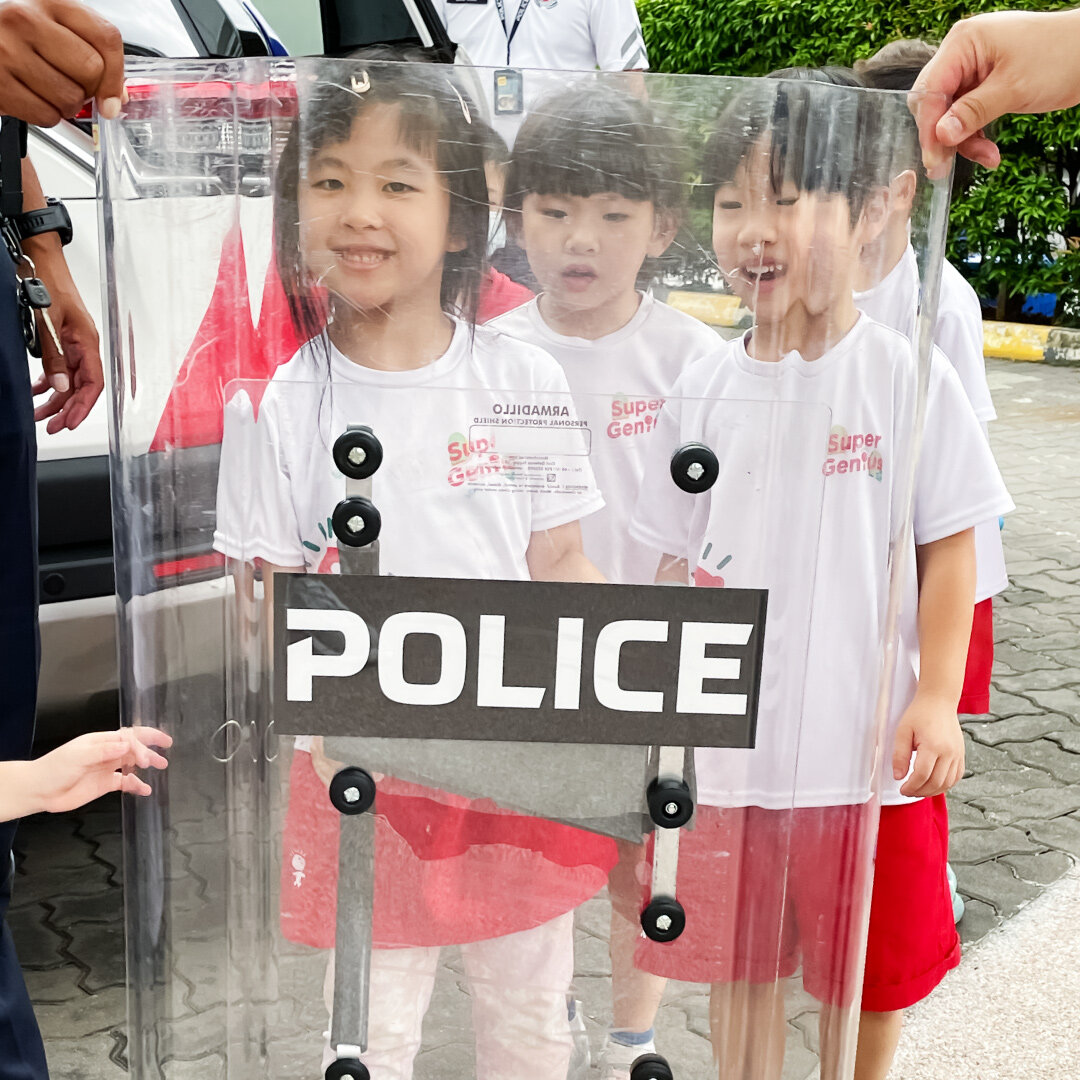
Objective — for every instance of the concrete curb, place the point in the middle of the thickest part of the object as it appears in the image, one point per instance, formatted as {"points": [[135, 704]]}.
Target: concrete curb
{"points": [[1055, 345], [1063, 347]]}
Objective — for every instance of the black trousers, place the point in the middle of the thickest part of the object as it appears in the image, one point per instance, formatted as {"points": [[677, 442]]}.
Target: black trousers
{"points": [[22, 1056]]}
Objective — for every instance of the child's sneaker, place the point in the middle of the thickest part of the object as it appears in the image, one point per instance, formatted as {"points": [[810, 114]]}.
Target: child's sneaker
{"points": [[616, 1058], [580, 1059], [957, 899]]}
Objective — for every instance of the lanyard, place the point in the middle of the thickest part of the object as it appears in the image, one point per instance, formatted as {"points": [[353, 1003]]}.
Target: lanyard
{"points": [[501, 8]]}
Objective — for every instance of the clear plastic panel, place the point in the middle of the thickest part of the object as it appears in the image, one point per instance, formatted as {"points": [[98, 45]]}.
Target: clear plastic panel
{"points": [[529, 680]]}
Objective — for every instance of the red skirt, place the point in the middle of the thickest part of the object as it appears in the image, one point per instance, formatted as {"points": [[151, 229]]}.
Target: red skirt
{"points": [[448, 870]]}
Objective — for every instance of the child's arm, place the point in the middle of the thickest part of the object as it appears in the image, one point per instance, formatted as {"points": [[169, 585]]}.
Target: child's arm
{"points": [[929, 726], [673, 571], [80, 771], [325, 766], [557, 555]]}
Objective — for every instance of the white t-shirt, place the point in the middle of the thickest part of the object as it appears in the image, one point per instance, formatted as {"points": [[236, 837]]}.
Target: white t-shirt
{"points": [[557, 35], [814, 460], [619, 382], [450, 506], [958, 333]]}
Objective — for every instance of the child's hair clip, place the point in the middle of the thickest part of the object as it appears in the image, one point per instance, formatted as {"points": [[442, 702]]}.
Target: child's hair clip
{"points": [[361, 85], [464, 104]]}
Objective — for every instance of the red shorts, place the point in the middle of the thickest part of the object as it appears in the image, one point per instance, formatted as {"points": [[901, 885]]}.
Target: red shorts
{"points": [[746, 922], [975, 698], [766, 890], [912, 942], [447, 870]]}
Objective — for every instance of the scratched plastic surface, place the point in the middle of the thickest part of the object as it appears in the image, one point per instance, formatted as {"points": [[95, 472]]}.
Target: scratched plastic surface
{"points": [[546, 589]]}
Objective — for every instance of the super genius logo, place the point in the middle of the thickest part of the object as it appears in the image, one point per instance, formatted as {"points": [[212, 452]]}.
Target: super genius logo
{"points": [[552, 662], [633, 416], [853, 453], [471, 460]]}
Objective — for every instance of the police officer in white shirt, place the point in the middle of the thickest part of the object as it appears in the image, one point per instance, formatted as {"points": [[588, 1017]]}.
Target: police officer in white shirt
{"points": [[513, 36]]}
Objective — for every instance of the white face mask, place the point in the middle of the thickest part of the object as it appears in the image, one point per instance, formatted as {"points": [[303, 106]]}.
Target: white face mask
{"points": [[496, 231]]}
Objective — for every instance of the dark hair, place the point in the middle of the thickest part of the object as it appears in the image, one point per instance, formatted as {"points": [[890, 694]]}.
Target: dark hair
{"points": [[493, 144], [895, 66], [436, 118], [595, 140], [821, 137], [830, 73]]}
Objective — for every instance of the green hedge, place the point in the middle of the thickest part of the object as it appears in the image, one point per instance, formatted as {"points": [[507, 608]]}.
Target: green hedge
{"points": [[1014, 218]]}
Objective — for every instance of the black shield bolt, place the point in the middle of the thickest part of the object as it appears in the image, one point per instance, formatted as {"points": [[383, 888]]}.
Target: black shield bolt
{"points": [[663, 919], [347, 1069], [694, 467], [670, 803], [358, 453], [356, 521], [352, 790], [651, 1067]]}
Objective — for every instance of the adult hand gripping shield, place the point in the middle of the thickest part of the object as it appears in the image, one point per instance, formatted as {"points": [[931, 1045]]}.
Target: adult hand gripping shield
{"points": [[493, 651]]}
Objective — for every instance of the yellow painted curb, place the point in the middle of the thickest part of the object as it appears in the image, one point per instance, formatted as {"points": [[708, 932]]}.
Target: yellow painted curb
{"points": [[715, 309], [1001, 340], [1014, 341]]}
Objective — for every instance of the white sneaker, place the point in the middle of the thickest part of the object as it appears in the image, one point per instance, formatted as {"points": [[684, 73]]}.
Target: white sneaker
{"points": [[616, 1059]]}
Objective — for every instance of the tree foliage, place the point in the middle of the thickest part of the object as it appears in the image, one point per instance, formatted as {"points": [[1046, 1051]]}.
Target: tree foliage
{"points": [[1017, 221]]}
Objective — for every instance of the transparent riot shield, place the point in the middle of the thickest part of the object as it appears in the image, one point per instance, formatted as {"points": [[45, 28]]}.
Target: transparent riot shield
{"points": [[531, 682]]}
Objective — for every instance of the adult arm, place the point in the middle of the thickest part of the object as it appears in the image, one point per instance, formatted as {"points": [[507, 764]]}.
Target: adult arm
{"points": [[73, 373], [990, 65], [54, 56]]}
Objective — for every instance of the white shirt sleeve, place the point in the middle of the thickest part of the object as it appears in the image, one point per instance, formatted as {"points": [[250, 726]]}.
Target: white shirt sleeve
{"points": [[616, 35], [255, 514], [663, 512], [957, 482], [959, 335]]}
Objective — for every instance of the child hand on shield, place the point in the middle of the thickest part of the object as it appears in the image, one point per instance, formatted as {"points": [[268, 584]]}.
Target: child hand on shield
{"points": [[80, 771]]}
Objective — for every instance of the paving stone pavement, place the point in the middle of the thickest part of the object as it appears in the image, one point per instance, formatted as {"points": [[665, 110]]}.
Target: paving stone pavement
{"points": [[1016, 814], [1015, 820]]}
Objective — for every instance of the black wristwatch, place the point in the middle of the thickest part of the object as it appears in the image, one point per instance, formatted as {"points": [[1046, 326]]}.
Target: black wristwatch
{"points": [[53, 217]]}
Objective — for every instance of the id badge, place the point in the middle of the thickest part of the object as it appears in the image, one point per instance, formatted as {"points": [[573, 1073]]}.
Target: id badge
{"points": [[509, 92]]}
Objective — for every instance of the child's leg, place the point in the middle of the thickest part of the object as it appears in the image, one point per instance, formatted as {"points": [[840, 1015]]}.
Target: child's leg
{"points": [[399, 994], [837, 1032], [635, 993], [830, 864], [746, 1021], [519, 985], [912, 942], [879, 1034]]}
